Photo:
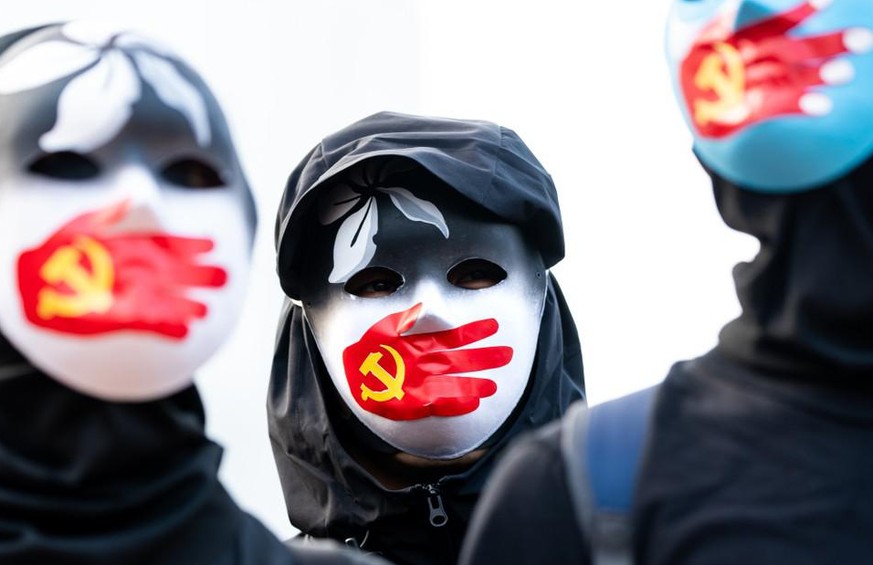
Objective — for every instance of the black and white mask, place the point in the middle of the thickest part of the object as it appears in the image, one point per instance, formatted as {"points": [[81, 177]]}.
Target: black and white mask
{"points": [[426, 316], [125, 219]]}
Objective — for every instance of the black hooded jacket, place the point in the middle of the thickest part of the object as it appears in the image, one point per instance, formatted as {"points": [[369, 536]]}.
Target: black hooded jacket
{"points": [[327, 493], [87, 482], [759, 451]]}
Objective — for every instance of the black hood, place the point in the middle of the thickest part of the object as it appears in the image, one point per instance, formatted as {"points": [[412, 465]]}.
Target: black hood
{"points": [[807, 300], [327, 493], [488, 164]]}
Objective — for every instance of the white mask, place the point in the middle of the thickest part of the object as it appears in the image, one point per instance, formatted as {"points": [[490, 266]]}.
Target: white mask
{"points": [[427, 361], [125, 221]]}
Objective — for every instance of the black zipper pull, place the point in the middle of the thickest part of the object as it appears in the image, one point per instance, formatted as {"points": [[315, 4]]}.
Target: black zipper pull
{"points": [[438, 516]]}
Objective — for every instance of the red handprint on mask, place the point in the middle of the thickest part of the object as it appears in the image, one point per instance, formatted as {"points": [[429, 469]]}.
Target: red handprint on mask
{"points": [[87, 280], [412, 377], [734, 78]]}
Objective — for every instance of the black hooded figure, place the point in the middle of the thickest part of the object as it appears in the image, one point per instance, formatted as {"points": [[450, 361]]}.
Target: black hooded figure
{"points": [[115, 469], [759, 450], [472, 187]]}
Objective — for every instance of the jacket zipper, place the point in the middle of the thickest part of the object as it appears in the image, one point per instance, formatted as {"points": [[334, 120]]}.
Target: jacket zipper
{"points": [[436, 511]]}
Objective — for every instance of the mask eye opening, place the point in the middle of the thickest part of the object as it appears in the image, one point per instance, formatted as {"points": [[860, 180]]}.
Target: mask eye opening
{"points": [[192, 172], [374, 282], [65, 165], [476, 274]]}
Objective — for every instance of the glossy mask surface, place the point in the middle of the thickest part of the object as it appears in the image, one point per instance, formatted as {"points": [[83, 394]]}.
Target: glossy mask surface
{"points": [[757, 79], [125, 221], [425, 358]]}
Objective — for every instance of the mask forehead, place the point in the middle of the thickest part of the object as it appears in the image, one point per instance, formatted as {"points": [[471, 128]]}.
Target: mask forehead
{"points": [[405, 246], [417, 249]]}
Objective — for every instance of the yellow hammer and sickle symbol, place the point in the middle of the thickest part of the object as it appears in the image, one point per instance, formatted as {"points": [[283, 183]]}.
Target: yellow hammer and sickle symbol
{"points": [[92, 290], [393, 384], [722, 73]]}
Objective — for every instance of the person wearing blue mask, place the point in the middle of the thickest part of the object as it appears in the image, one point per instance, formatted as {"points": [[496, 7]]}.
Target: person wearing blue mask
{"points": [[757, 451]]}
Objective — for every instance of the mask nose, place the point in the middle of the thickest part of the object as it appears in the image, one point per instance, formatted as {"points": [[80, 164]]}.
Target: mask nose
{"points": [[436, 312], [138, 186]]}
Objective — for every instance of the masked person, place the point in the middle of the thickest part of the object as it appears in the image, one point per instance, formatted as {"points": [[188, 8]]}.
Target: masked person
{"points": [[125, 231], [756, 451], [423, 329]]}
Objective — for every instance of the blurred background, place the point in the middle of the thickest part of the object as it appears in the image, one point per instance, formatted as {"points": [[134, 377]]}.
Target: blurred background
{"points": [[647, 271]]}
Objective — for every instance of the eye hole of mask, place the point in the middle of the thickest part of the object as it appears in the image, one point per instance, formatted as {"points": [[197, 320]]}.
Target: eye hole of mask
{"points": [[475, 274], [66, 165], [374, 282], [192, 173]]}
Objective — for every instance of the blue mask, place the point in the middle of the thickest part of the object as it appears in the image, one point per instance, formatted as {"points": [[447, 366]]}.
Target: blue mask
{"points": [[778, 94]]}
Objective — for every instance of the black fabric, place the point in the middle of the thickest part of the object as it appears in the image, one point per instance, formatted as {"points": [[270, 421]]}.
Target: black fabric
{"points": [[327, 493], [762, 447], [758, 470], [87, 481], [806, 304], [526, 515]]}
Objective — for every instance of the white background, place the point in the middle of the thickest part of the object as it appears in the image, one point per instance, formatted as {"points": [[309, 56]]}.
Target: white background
{"points": [[585, 84]]}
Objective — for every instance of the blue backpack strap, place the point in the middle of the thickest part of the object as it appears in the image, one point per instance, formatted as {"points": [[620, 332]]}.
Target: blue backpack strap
{"points": [[603, 448]]}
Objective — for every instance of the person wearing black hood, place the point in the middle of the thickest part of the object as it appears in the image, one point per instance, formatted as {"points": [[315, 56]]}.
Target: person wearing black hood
{"points": [[422, 331], [125, 231], [759, 450]]}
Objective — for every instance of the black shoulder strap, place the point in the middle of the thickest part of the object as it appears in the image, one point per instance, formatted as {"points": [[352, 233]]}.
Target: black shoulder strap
{"points": [[602, 449]]}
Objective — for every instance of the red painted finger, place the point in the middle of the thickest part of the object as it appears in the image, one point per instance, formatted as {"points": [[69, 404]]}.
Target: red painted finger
{"points": [[455, 337], [464, 360], [201, 276], [779, 24], [169, 329], [180, 308], [771, 103], [770, 77], [789, 51], [149, 308], [182, 246], [450, 386], [824, 46], [447, 407]]}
